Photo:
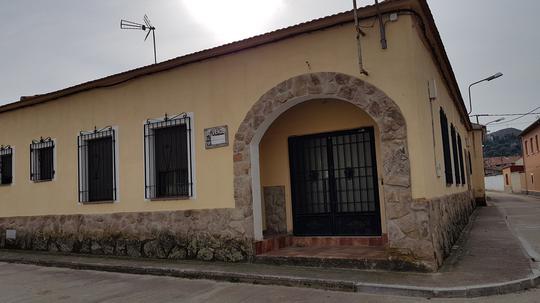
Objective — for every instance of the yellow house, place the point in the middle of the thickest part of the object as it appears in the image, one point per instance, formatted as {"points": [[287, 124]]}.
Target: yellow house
{"points": [[216, 154]]}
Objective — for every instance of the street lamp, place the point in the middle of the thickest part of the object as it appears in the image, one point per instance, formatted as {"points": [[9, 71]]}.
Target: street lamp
{"points": [[493, 77], [495, 121]]}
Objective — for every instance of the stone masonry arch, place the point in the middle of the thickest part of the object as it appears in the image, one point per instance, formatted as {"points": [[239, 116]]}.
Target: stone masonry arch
{"points": [[408, 232]]}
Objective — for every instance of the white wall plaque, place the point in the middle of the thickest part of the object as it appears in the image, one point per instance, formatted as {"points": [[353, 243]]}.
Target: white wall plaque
{"points": [[11, 234], [216, 136]]}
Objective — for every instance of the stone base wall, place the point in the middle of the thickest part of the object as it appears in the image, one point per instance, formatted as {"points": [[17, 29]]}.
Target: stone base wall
{"points": [[275, 210], [423, 231], [448, 217], [219, 234]]}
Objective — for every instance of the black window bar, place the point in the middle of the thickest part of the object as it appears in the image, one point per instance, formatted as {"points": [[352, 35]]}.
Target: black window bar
{"points": [[461, 162], [97, 166], [6, 165], [455, 153], [42, 160], [446, 148], [167, 158]]}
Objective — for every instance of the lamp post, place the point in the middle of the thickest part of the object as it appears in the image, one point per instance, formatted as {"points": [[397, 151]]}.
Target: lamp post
{"points": [[495, 121], [493, 77]]}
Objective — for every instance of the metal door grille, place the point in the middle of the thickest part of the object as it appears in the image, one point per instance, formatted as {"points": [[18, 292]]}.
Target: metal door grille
{"points": [[168, 158], [6, 165], [97, 167], [334, 184], [42, 160]]}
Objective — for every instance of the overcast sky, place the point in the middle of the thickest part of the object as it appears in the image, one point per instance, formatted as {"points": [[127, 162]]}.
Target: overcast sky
{"points": [[49, 45]]}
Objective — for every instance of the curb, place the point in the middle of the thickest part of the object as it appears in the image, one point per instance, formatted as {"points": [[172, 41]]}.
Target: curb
{"points": [[290, 281]]}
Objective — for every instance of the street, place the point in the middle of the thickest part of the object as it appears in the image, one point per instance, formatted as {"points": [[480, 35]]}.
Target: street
{"points": [[27, 283]]}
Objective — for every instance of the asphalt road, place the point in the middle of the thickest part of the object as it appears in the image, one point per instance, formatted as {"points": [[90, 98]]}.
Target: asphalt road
{"points": [[26, 283]]}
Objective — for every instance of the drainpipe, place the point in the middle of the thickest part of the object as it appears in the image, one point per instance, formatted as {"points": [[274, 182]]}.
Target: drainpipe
{"points": [[384, 44], [359, 33]]}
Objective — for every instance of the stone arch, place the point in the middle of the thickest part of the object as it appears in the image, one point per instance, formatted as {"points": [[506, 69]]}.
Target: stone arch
{"points": [[330, 85]]}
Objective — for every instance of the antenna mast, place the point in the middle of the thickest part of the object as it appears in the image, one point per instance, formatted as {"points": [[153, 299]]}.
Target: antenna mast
{"points": [[125, 24]]}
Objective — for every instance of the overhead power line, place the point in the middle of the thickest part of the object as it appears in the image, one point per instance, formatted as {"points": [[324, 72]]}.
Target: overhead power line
{"points": [[521, 116]]}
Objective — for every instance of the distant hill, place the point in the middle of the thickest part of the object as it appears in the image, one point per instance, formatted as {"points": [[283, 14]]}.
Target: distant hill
{"points": [[503, 143]]}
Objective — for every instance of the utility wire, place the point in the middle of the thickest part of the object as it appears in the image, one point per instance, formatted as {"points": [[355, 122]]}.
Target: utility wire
{"points": [[517, 117], [503, 115]]}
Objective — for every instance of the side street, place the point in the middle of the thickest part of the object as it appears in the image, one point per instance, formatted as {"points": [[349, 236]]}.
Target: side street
{"points": [[494, 256]]}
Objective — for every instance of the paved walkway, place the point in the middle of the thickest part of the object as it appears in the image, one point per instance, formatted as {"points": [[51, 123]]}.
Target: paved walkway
{"points": [[487, 260]]}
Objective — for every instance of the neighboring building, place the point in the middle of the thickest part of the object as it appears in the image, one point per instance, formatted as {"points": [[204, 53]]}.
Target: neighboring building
{"points": [[494, 165], [213, 154], [513, 176], [531, 158]]}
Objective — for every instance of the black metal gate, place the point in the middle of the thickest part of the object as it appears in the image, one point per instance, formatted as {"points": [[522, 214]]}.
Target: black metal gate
{"points": [[334, 184]]}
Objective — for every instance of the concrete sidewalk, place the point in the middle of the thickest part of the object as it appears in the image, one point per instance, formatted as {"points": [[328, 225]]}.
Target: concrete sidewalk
{"points": [[488, 260]]}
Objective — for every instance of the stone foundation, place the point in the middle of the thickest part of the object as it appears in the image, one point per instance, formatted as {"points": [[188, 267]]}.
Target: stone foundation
{"points": [[448, 216], [205, 235], [275, 211]]}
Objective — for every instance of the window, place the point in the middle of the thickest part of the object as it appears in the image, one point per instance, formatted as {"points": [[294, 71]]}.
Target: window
{"points": [[532, 178], [526, 147], [42, 160], [446, 148], [506, 181], [461, 164], [532, 148], [97, 167], [168, 158], [537, 146], [455, 153], [470, 162], [6, 165]]}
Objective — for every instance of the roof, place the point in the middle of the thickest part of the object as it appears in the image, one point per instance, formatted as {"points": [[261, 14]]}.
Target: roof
{"points": [[529, 128], [418, 8], [500, 161]]}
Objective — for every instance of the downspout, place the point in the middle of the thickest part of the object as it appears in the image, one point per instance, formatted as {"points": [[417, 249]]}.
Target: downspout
{"points": [[359, 33], [384, 44]]}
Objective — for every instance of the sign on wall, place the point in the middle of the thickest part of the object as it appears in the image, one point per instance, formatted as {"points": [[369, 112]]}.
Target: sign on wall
{"points": [[215, 137]]}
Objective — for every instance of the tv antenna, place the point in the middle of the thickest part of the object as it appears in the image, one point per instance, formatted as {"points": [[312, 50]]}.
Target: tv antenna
{"points": [[125, 24]]}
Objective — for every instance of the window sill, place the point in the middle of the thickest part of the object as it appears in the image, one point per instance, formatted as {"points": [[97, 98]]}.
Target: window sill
{"points": [[183, 198], [42, 181], [98, 202]]}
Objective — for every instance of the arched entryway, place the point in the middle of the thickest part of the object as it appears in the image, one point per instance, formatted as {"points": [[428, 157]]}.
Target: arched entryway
{"points": [[319, 172], [395, 167]]}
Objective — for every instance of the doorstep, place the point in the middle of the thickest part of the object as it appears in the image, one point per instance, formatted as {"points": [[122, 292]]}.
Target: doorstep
{"points": [[278, 242]]}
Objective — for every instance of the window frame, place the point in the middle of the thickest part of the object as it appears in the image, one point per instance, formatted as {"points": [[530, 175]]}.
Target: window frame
{"points": [[82, 155], [449, 174], [455, 154], [461, 162], [150, 125], [7, 150], [35, 146]]}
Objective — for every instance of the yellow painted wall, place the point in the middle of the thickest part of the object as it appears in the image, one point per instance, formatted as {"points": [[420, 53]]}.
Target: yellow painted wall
{"points": [[428, 167], [531, 160], [310, 117], [219, 91]]}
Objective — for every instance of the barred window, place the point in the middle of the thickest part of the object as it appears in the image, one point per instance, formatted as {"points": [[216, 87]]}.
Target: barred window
{"points": [[97, 167], [6, 165], [42, 160], [446, 148], [455, 153], [168, 158], [461, 162]]}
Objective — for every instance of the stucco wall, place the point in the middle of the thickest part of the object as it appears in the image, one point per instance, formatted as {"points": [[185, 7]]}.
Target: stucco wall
{"points": [[308, 118], [219, 92], [495, 183], [531, 160]]}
